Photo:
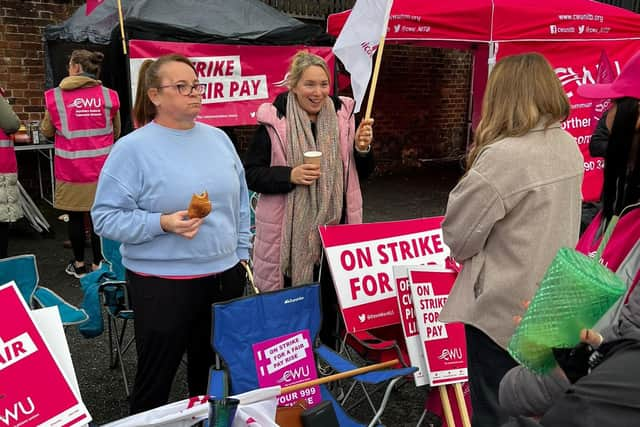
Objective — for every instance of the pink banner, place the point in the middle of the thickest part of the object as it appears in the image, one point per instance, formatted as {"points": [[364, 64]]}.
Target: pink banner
{"points": [[239, 78], [576, 64], [285, 361], [362, 256], [33, 389], [445, 345]]}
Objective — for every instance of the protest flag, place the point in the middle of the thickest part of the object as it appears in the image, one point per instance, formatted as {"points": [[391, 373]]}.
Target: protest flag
{"points": [[362, 35]]}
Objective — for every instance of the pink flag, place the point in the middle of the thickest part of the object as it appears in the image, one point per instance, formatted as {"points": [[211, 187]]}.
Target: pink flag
{"points": [[604, 75], [91, 5]]}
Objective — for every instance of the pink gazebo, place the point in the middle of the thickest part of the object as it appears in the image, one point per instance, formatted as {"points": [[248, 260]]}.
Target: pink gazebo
{"points": [[571, 34]]}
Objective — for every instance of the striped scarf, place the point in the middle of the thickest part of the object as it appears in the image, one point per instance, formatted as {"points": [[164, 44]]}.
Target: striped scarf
{"points": [[317, 204]]}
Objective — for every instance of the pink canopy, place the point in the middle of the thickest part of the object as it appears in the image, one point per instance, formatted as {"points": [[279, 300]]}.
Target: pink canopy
{"points": [[504, 20], [571, 34]]}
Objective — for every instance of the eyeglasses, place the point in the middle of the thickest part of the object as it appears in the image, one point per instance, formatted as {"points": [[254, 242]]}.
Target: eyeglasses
{"points": [[186, 89]]}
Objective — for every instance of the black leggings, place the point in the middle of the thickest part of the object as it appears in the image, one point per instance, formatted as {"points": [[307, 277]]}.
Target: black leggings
{"points": [[4, 239], [77, 237]]}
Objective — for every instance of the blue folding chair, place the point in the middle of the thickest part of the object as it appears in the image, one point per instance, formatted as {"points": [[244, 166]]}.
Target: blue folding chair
{"points": [[107, 287], [240, 323], [23, 270]]}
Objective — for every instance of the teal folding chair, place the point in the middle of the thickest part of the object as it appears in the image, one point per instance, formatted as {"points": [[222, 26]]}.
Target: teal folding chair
{"points": [[23, 270]]}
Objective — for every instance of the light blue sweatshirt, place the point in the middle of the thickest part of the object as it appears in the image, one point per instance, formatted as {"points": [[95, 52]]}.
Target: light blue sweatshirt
{"points": [[156, 170]]}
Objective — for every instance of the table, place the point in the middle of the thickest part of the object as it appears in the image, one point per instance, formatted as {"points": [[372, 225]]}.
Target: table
{"points": [[46, 151]]}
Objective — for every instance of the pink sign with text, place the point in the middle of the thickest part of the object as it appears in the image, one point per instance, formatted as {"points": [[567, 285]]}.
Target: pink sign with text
{"points": [[33, 388], [362, 256], [285, 361], [410, 325], [444, 345], [237, 78]]}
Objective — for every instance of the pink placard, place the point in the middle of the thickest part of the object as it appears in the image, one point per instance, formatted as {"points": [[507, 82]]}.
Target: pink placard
{"points": [[362, 256], [33, 388], [238, 78], [285, 361], [445, 345]]}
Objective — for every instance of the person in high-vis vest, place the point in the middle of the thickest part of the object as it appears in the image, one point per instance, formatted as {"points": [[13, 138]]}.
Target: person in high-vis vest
{"points": [[84, 118], [10, 210]]}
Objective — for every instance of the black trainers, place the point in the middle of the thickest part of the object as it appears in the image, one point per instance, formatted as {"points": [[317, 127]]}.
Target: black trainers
{"points": [[77, 272]]}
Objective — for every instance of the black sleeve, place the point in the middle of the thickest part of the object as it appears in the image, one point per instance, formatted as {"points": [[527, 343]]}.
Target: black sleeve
{"points": [[600, 138], [261, 177], [365, 163]]}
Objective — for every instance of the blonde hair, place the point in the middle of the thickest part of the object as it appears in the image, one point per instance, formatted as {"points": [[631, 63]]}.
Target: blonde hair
{"points": [[149, 76], [300, 62], [522, 91]]}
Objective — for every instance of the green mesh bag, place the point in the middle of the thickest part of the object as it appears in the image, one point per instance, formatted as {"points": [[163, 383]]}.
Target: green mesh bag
{"points": [[574, 294]]}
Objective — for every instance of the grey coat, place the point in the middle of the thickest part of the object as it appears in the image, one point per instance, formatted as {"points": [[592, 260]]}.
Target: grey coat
{"points": [[505, 221]]}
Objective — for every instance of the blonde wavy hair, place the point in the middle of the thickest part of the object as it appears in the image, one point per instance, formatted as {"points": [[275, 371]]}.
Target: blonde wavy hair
{"points": [[523, 90], [300, 62]]}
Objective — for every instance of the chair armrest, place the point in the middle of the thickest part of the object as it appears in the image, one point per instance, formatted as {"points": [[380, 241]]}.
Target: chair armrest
{"points": [[341, 364], [114, 295]]}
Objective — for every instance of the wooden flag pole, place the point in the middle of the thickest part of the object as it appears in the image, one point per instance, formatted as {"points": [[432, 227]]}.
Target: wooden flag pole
{"points": [[376, 67], [124, 41], [446, 406], [462, 405], [374, 78], [341, 375]]}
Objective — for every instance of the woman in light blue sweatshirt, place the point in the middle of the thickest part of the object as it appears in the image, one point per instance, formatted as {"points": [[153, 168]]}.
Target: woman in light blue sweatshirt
{"points": [[176, 266]]}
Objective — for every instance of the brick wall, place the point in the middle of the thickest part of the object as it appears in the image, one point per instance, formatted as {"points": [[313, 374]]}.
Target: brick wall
{"points": [[22, 24]]}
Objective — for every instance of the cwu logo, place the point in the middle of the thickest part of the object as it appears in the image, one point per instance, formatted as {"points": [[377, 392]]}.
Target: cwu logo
{"points": [[18, 411], [451, 354], [86, 103], [290, 375]]}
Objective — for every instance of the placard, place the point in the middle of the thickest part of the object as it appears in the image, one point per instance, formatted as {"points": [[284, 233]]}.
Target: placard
{"points": [[444, 345], [410, 325], [285, 361], [361, 258], [34, 389]]}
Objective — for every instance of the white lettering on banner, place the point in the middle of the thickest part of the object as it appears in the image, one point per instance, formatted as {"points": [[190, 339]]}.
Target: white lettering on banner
{"points": [[449, 354], [12, 417], [223, 78], [430, 306], [363, 270], [290, 375], [286, 352], [230, 89], [568, 76], [16, 349], [582, 17]]}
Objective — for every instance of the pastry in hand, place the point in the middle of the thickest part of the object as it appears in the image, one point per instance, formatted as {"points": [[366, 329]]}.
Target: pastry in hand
{"points": [[200, 205]]}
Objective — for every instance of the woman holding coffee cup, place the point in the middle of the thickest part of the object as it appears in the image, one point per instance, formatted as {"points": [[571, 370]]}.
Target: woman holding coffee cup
{"points": [[306, 163]]}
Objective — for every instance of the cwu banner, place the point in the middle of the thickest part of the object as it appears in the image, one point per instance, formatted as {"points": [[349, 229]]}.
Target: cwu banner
{"points": [[238, 78], [578, 64]]}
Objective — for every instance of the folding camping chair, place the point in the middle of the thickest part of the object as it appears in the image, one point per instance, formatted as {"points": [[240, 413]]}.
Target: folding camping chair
{"points": [[23, 270], [106, 287], [272, 315]]}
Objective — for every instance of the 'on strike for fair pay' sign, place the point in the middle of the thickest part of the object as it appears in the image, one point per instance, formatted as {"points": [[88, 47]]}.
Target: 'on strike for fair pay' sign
{"points": [[444, 345], [361, 258]]}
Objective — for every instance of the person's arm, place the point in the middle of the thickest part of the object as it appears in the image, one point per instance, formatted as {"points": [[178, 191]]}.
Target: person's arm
{"points": [[261, 176], [46, 126], [244, 216], [117, 128], [9, 121], [600, 138], [473, 208], [365, 163]]}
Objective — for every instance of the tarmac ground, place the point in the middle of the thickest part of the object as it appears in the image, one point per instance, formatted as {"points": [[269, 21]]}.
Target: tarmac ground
{"points": [[419, 193]]}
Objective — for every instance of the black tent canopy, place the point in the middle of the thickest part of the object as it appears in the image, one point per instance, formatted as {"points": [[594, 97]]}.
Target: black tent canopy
{"points": [[195, 21]]}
